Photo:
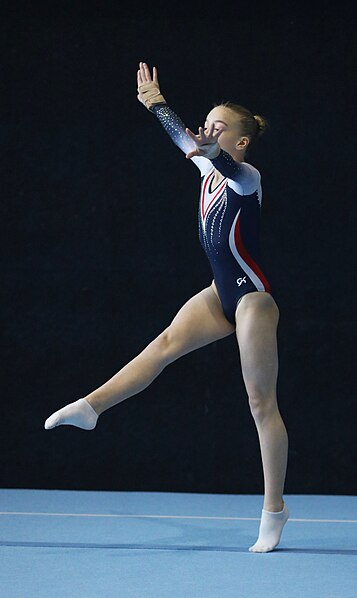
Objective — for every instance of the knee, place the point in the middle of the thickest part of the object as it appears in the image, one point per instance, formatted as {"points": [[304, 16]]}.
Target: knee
{"points": [[263, 302], [166, 345], [262, 404]]}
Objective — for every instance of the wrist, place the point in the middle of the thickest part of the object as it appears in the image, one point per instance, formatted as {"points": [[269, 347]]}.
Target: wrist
{"points": [[157, 105], [210, 150], [150, 95]]}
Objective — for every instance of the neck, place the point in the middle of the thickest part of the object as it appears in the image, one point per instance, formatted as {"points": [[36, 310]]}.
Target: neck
{"points": [[238, 156]]}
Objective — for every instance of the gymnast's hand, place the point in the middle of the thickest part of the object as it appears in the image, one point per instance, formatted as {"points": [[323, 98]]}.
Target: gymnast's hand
{"points": [[149, 92], [206, 142]]}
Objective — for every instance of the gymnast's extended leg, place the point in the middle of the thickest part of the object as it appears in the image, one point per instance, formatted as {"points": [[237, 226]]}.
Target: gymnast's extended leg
{"points": [[257, 318], [199, 322]]}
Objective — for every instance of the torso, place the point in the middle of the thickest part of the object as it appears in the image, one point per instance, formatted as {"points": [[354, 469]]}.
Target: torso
{"points": [[229, 234], [217, 179]]}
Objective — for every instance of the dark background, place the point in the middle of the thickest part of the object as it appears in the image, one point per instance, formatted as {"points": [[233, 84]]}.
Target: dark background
{"points": [[100, 247]]}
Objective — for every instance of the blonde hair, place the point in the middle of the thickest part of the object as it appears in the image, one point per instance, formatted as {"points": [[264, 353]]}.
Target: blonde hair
{"points": [[252, 125]]}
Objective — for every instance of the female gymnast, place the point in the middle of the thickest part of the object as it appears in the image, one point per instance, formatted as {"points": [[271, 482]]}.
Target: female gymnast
{"points": [[238, 300]]}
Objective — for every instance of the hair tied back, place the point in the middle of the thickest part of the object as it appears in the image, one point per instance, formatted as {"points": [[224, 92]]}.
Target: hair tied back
{"points": [[261, 122]]}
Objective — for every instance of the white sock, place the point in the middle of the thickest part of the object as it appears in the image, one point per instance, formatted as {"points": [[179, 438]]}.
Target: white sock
{"points": [[271, 527], [80, 414]]}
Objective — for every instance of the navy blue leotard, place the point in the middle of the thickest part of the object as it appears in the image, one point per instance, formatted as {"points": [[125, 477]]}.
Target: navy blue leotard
{"points": [[229, 218]]}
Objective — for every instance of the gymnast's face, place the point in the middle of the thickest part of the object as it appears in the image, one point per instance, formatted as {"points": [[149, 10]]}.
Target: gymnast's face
{"points": [[231, 140]]}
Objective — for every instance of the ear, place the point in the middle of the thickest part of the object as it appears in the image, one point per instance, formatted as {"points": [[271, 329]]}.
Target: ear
{"points": [[242, 143]]}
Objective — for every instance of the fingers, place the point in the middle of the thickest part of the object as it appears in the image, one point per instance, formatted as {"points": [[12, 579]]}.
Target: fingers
{"points": [[200, 138], [216, 134], [144, 73], [196, 152], [204, 137], [211, 135], [139, 79], [210, 129], [192, 135], [155, 76]]}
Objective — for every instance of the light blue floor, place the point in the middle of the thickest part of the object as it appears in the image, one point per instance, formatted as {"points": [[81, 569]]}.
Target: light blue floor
{"points": [[73, 544]]}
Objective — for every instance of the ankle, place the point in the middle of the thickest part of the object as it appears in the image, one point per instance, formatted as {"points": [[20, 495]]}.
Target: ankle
{"points": [[274, 506], [94, 404]]}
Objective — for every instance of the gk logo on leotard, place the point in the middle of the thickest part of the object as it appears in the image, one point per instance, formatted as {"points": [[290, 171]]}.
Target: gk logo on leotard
{"points": [[241, 280]]}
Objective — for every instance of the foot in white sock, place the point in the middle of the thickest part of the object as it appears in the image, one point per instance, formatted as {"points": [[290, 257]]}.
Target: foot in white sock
{"points": [[80, 414], [271, 527]]}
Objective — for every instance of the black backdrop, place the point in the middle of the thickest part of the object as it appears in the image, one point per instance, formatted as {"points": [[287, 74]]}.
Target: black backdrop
{"points": [[100, 248]]}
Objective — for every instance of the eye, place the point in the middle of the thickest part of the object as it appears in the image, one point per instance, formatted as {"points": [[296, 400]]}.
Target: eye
{"points": [[215, 129]]}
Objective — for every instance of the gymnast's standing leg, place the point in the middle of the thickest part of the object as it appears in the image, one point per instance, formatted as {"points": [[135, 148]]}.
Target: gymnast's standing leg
{"points": [[257, 318]]}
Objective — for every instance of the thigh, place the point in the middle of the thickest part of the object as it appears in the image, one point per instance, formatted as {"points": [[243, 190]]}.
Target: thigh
{"points": [[257, 318], [200, 321]]}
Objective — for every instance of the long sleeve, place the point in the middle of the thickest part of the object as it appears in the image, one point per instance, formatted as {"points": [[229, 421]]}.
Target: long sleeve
{"points": [[245, 175], [173, 126], [225, 164], [176, 129]]}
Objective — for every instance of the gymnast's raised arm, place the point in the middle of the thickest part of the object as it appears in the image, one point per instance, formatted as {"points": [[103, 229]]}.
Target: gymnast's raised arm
{"points": [[203, 149], [149, 94]]}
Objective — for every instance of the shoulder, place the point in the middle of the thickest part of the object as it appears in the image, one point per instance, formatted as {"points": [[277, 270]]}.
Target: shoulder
{"points": [[250, 170], [248, 180]]}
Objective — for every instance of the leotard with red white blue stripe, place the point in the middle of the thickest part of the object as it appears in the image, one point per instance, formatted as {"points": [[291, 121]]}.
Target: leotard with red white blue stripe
{"points": [[229, 218]]}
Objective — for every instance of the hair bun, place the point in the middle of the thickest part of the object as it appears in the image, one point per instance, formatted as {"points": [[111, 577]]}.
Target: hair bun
{"points": [[261, 122]]}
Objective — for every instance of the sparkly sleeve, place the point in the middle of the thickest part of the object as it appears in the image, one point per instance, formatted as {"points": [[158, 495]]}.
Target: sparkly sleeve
{"points": [[174, 127], [242, 173], [227, 166]]}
